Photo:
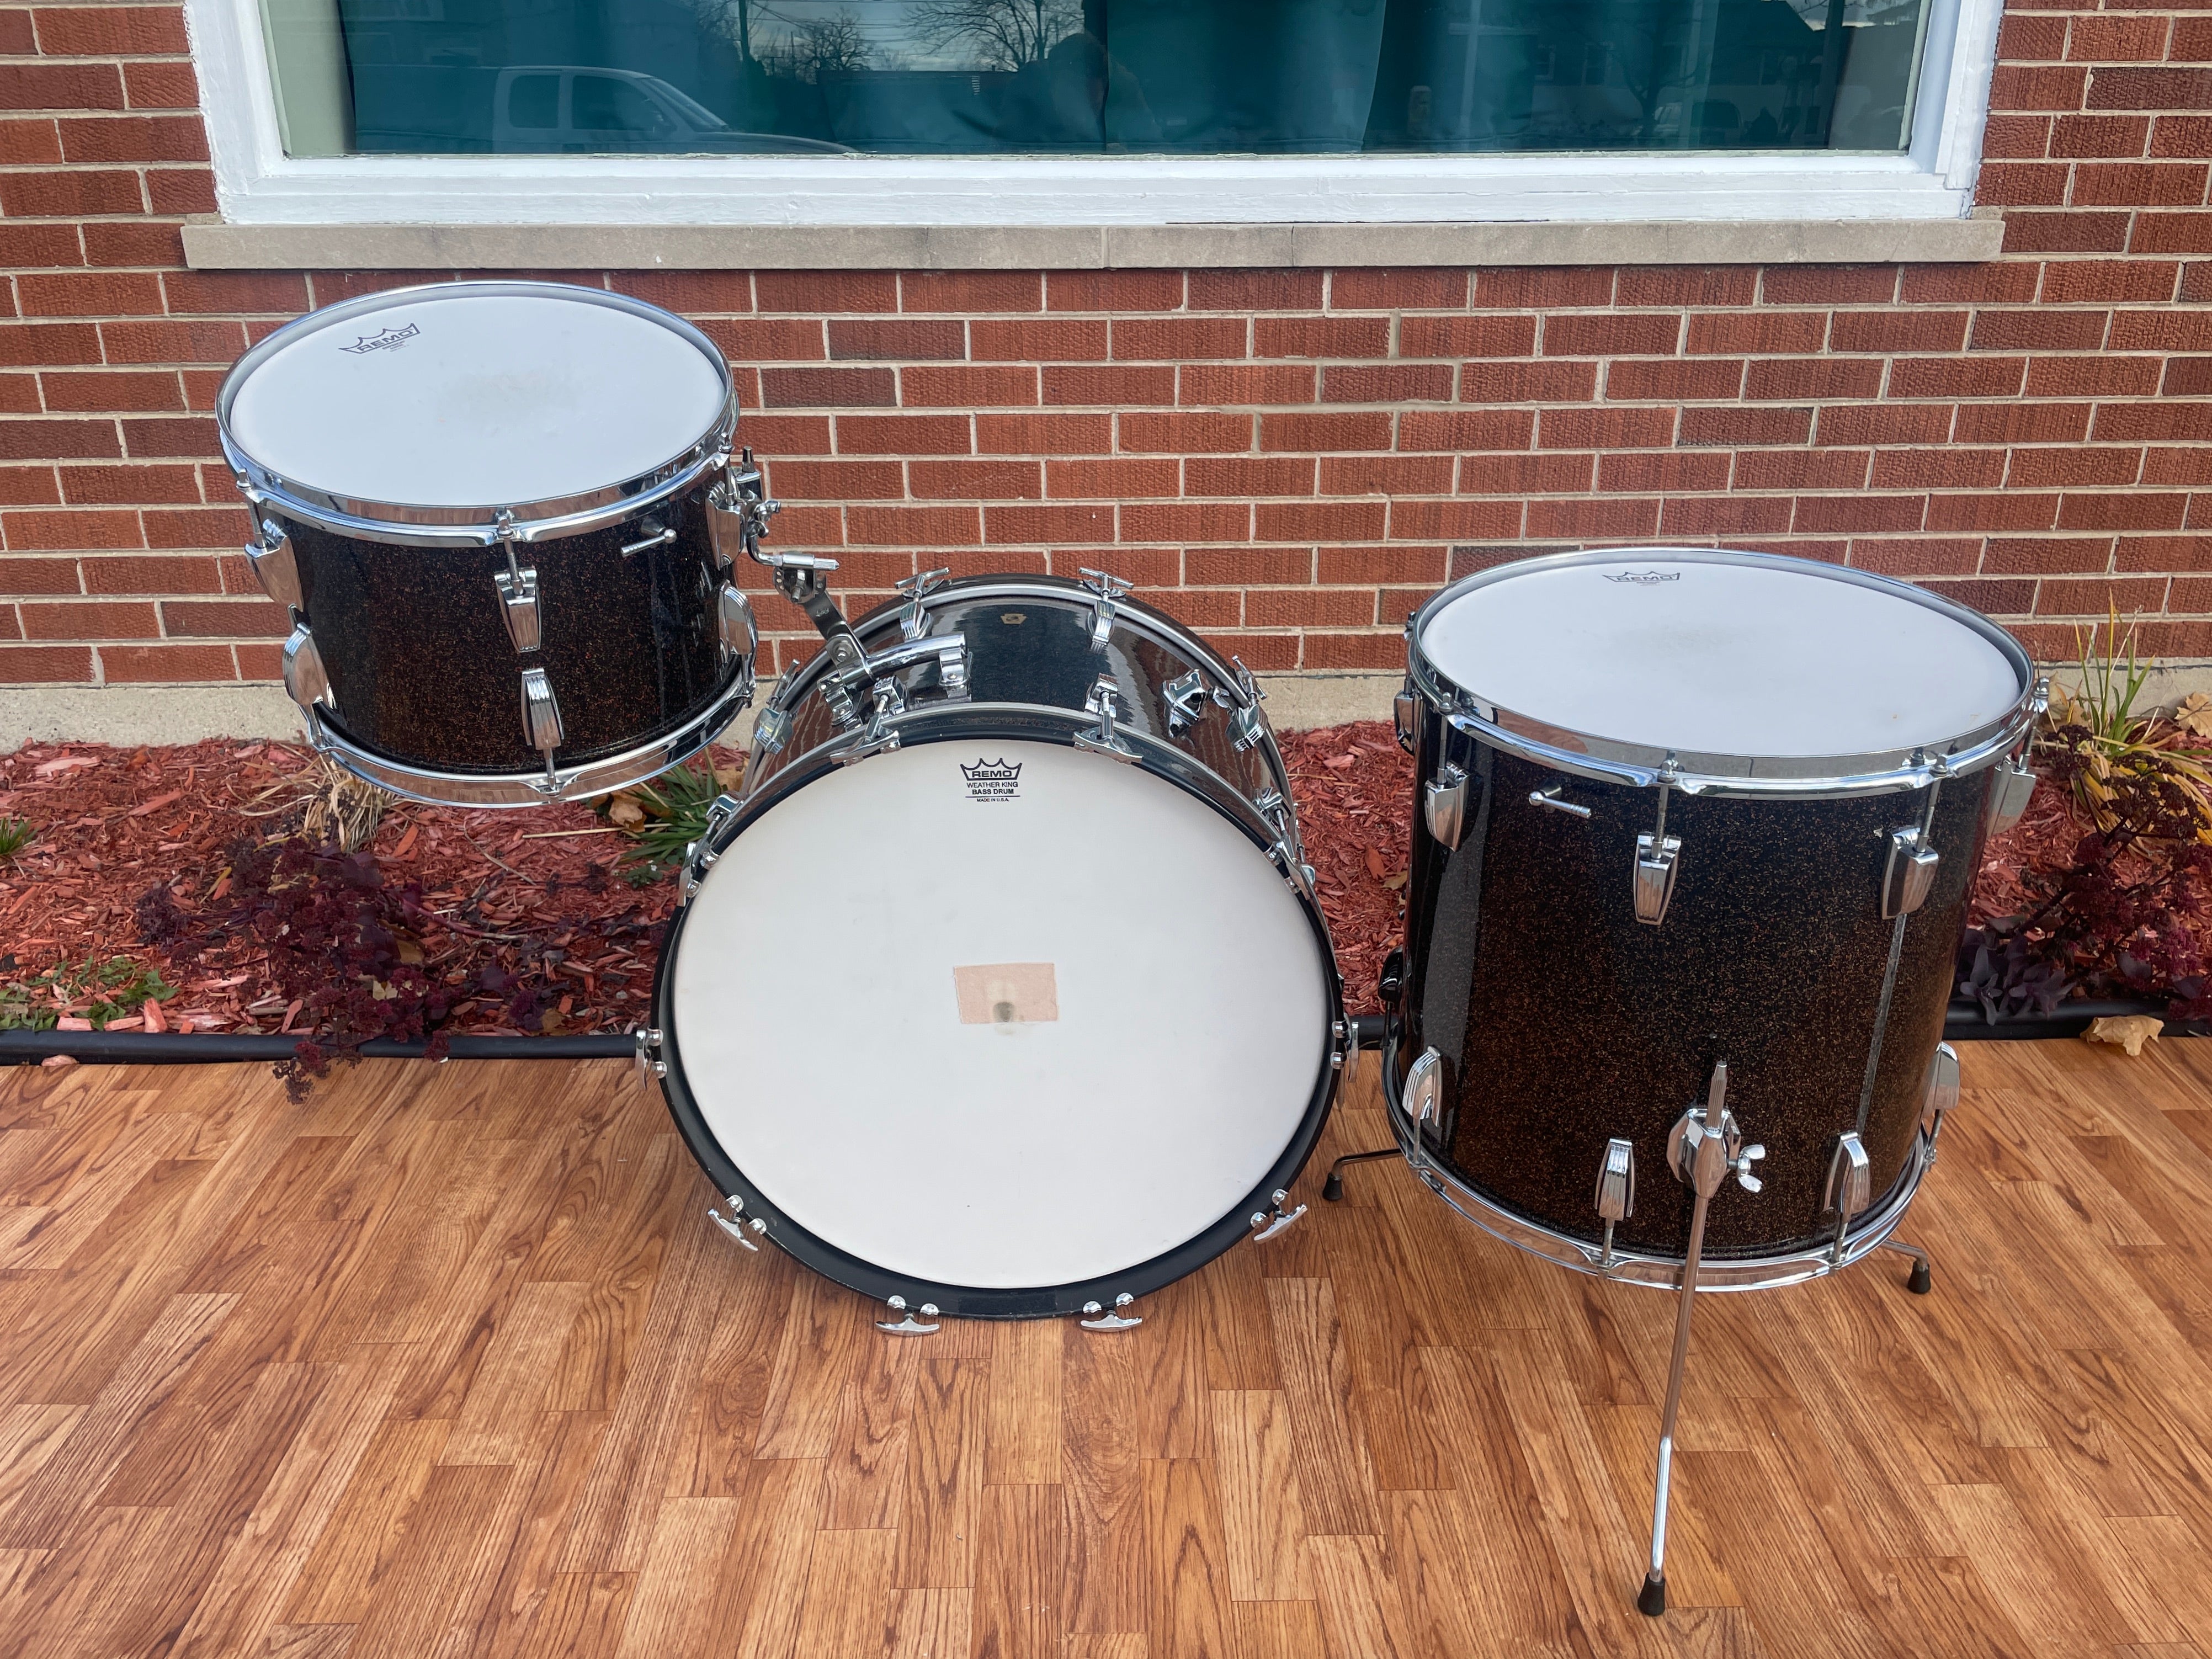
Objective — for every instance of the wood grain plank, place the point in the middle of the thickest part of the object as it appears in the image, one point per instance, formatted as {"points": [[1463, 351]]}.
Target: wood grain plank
{"points": [[1024, 1427], [930, 1624], [1362, 1612], [940, 1519], [763, 1584], [1015, 1610], [504, 1398], [1191, 1612], [671, 1604], [1107, 1586], [1335, 1482], [1262, 1518]]}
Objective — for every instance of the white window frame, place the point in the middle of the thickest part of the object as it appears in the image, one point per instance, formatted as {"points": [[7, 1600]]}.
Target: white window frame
{"points": [[256, 182]]}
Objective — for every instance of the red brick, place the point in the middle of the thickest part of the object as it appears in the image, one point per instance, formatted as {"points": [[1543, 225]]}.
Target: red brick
{"points": [[112, 242], [688, 291], [913, 526], [1424, 521], [2153, 422], [111, 32], [16, 36], [2045, 469], [60, 86], [2192, 40], [2140, 88], [1150, 339], [1182, 433], [1186, 521], [2021, 423], [1249, 475], [1387, 383], [21, 576], [1672, 379], [969, 291], [2043, 556], [143, 573], [1784, 378], [140, 392], [2029, 38], [37, 486], [2023, 184], [902, 435], [1897, 330], [897, 339], [235, 290], [1205, 383], [2099, 136], [1725, 515], [2187, 377], [1386, 650], [43, 664], [1728, 428], [19, 394], [166, 664], [1319, 336], [2038, 330], [1826, 285], [1196, 607], [134, 138], [810, 292], [767, 339], [2180, 135], [1948, 468], [91, 619], [1008, 480], [1122, 478], [2172, 232], [1306, 521], [2191, 465], [26, 343], [1956, 377], [2161, 331], [195, 527], [1425, 290], [1337, 429], [163, 86], [1801, 469], [1113, 290], [2136, 510], [1414, 566], [1662, 469], [1044, 435], [2139, 184], [1034, 525], [47, 441], [1250, 290], [1038, 339], [29, 143], [225, 619], [2162, 553], [43, 244], [829, 388], [1386, 475], [2016, 138], [1118, 386], [785, 434], [2015, 510], [2001, 598], [1603, 336], [1466, 337], [962, 386], [2077, 281], [1765, 332], [1816, 513], [1883, 423], [1687, 285], [1532, 286], [1547, 473], [2098, 598], [2016, 87], [1918, 555], [2189, 593], [129, 486], [1496, 382], [1466, 428], [2065, 233], [2093, 377], [71, 193], [2117, 39], [1613, 516], [1310, 607], [836, 481]]}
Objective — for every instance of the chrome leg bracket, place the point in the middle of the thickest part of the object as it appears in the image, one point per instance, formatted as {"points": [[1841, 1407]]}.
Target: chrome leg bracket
{"points": [[907, 1324], [1095, 1318], [1266, 1224], [737, 1224]]}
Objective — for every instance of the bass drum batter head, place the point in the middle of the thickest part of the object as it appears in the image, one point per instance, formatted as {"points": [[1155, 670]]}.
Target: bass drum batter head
{"points": [[998, 1025]]}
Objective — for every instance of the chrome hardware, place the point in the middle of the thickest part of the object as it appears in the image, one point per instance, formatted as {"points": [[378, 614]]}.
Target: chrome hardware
{"points": [[907, 1324], [914, 617], [854, 670], [881, 737], [275, 566], [1297, 875], [1616, 1190], [1402, 714], [1105, 703], [720, 811], [1849, 1185], [740, 494], [771, 731], [2009, 790], [1652, 881], [1941, 1094], [1711, 1126], [647, 1067], [1551, 797], [1910, 873], [1923, 1273], [656, 534], [1106, 589], [736, 1223], [1185, 696], [518, 603], [1424, 1093], [303, 678], [1444, 805], [1271, 805], [503, 526], [733, 622], [1266, 1224], [1246, 727], [541, 715], [1095, 1318]]}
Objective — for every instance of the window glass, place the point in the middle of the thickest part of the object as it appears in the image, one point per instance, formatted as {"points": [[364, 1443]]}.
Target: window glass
{"points": [[1093, 76]]}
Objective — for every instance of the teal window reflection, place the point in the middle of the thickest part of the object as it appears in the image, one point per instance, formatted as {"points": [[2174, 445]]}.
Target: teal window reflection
{"points": [[1092, 76]]}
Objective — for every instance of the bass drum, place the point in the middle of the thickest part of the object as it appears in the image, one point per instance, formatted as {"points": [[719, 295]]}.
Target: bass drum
{"points": [[1004, 993]]}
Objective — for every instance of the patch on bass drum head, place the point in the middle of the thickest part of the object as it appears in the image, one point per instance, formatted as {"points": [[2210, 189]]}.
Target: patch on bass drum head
{"points": [[992, 780]]}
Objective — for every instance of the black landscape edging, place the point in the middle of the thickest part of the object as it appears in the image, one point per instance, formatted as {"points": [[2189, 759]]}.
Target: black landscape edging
{"points": [[176, 1049], [1965, 1022]]}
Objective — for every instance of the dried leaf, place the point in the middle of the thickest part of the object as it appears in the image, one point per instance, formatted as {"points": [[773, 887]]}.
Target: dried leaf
{"points": [[623, 811], [2128, 1031], [2193, 714], [1375, 867]]}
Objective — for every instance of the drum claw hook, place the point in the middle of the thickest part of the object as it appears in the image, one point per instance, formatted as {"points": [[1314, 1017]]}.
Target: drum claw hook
{"points": [[907, 1324], [1095, 1318], [1266, 1224], [736, 1224]]}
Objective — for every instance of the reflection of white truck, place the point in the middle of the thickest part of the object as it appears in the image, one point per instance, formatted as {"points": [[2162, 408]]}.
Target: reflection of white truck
{"points": [[597, 112]]}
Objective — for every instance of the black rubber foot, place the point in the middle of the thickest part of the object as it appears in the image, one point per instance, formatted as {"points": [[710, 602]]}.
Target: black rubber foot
{"points": [[1332, 1190], [1922, 1281], [1651, 1599]]}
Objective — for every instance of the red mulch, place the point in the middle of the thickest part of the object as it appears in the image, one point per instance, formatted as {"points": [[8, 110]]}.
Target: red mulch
{"points": [[1354, 789]]}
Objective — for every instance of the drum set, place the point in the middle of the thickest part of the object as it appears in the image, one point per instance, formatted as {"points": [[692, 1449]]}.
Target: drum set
{"points": [[1001, 989]]}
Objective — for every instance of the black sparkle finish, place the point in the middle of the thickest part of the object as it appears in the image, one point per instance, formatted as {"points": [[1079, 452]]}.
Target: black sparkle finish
{"points": [[422, 670], [1562, 1021]]}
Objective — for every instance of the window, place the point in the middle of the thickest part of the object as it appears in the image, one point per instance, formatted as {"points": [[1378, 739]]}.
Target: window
{"points": [[935, 77]]}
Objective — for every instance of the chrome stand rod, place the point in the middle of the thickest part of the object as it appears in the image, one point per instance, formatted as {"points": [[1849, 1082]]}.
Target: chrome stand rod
{"points": [[1652, 1598]]}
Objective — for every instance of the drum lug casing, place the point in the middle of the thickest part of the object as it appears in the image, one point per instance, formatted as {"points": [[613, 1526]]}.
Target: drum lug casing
{"points": [[305, 680], [541, 713], [1185, 698], [734, 623], [1107, 589], [1403, 715], [1105, 703], [1443, 805], [1910, 872], [1652, 879], [2011, 784], [1941, 1094], [518, 603], [275, 566]]}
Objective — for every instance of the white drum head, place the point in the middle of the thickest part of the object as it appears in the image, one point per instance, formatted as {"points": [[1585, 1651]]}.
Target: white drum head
{"points": [[478, 399], [1012, 1030], [1703, 656]]}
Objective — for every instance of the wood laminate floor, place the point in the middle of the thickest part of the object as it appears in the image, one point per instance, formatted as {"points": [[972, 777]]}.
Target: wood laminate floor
{"points": [[448, 1361]]}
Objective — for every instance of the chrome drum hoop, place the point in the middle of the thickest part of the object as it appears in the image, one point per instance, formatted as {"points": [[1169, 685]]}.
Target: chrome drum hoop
{"points": [[598, 777], [1864, 1236], [1741, 776], [406, 525]]}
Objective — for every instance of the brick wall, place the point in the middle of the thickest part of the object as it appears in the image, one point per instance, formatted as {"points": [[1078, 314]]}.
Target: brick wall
{"points": [[1287, 459]]}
